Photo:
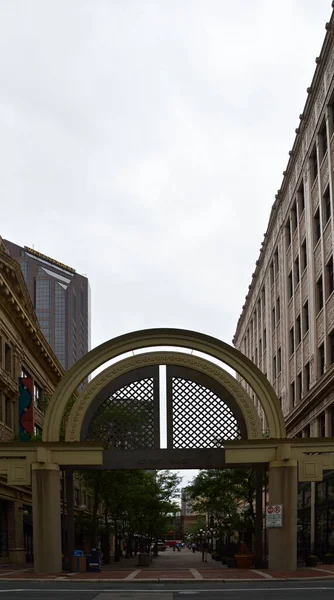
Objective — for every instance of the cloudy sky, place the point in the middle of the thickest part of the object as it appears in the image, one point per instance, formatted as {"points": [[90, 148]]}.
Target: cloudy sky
{"points": [[142, 142]]}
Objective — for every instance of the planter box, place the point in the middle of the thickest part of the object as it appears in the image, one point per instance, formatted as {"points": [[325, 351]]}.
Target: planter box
{"points": [[244, 561], [311, 562], [231, 563]]}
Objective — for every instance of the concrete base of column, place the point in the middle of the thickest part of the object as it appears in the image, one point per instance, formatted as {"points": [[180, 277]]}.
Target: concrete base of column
{"points": [[17, 552], [17, 556], [46, 518], [283, 541]]}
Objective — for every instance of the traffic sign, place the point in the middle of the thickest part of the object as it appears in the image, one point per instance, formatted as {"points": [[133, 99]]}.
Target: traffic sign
{"points": [[274, 515]]}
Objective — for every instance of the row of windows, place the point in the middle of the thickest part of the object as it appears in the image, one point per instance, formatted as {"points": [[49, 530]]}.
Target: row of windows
{"points": [[6, 410], [60, 325], [300, 329], [295, 214], [82, 498], [42, 294], [321, 429], [299, 267], [301, 385], [6, 356]]}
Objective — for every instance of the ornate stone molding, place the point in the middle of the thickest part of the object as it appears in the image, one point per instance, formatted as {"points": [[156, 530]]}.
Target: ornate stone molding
{"points": [[9, 381]]}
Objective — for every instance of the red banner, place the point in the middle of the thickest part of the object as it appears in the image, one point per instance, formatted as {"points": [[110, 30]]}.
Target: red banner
{"points": [[26, 406]]}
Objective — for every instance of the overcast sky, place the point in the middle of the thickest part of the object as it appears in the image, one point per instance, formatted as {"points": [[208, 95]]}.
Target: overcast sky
{"points": [[142, 142]]}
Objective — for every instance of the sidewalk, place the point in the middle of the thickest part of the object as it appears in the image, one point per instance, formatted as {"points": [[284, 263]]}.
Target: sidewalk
{"points": [[154, 574]]}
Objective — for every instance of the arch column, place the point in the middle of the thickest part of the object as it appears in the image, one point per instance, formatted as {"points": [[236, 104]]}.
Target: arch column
{"points": [[46, 518], [283, 482]]}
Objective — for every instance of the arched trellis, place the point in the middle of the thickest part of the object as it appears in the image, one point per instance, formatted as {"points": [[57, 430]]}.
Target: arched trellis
{"points": [[160, 338], [98, 384]]}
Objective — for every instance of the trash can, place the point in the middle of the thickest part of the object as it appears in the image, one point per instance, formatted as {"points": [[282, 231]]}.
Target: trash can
{"points": [[78, 562], [144, 559], [94, 560]]}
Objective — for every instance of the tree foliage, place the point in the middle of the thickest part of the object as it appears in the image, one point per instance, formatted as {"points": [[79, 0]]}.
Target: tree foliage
{"points": [[137, 504], [228, 495]]}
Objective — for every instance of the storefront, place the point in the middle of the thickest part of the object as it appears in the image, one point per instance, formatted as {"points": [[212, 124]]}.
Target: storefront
{"points": [[324, 515], [28, 532], [319, 522], [304, 520], [3, 530]]}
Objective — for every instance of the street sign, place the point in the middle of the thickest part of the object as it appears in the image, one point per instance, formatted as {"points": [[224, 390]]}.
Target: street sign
{"points": [[274, 515]]}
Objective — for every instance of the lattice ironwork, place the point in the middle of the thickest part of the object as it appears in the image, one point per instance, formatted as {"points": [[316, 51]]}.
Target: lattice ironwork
{"points": [[126, 419], [200, 418]]}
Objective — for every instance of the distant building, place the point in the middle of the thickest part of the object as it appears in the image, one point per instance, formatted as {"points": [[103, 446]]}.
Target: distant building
{"points": [[189, 517], [61, 299]]}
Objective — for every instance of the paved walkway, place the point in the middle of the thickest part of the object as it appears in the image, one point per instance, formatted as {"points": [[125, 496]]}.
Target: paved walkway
{"points": [[172, 567]]}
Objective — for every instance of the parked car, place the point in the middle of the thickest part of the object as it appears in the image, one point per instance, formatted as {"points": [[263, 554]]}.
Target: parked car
{"points": [[161, 546]]}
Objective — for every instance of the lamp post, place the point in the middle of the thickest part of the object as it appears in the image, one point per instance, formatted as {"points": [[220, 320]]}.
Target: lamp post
{"points": [[213, 533], [200, 536], [82, 508]]}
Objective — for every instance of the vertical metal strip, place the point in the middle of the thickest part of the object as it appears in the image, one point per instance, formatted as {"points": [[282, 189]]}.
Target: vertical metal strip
{"points": [[169, 406], [156, 406]]}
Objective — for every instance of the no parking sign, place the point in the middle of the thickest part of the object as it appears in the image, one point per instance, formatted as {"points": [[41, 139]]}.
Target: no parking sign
{"points": [[274, 515]]}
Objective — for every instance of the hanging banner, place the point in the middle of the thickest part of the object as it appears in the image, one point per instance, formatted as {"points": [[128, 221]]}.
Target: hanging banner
{"points": [[26, 408]]}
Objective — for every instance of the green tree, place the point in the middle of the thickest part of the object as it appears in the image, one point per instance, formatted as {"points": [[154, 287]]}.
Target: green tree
{"points": [[229, 495], [136, 503]]}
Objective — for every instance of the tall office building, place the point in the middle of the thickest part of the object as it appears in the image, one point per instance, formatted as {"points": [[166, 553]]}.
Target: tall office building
{"points": [[61, 299], [286, 325]]}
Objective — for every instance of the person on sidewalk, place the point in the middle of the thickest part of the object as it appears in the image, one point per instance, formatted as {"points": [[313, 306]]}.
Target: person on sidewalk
{"points": [[205, 548], [193, 547]]}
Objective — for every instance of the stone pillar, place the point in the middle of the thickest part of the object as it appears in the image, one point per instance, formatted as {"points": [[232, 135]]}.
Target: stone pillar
{"points": [[46, 518], [259, 517], [312, 536], [283, 481], [328, 423], [70, 513], [17, 552]]}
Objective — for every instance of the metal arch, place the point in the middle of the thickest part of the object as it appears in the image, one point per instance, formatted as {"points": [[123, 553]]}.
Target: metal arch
{"points": [[234, 393], [163, 337]]}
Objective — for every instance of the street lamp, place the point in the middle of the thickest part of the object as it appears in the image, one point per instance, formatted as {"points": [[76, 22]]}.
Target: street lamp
{"points": [[200, 535]]}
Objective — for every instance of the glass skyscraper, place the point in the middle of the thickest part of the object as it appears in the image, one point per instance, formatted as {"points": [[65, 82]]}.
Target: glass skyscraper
{"points": [[61, 298]]}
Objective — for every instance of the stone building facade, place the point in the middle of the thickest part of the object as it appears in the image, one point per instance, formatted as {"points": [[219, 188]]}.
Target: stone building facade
{"points": [[287, 322], [23, 350]]}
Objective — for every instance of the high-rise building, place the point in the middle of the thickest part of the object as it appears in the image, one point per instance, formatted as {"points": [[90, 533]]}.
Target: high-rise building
{"points": [[286, 326], [61, 299]]}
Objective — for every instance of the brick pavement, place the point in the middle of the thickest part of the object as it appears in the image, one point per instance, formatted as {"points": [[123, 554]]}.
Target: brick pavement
{"points": [[170, 566]]}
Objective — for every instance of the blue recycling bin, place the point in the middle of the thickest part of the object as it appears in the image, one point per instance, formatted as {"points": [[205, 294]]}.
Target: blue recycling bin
{"points": [[93, 560], [78, 562]]}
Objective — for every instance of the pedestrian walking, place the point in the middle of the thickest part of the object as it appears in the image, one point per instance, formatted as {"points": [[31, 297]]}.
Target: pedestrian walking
{"points": [[205, 548], [193, 547]]}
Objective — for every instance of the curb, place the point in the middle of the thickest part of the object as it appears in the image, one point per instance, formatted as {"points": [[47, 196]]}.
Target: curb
{"points": [[166, 580]]}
